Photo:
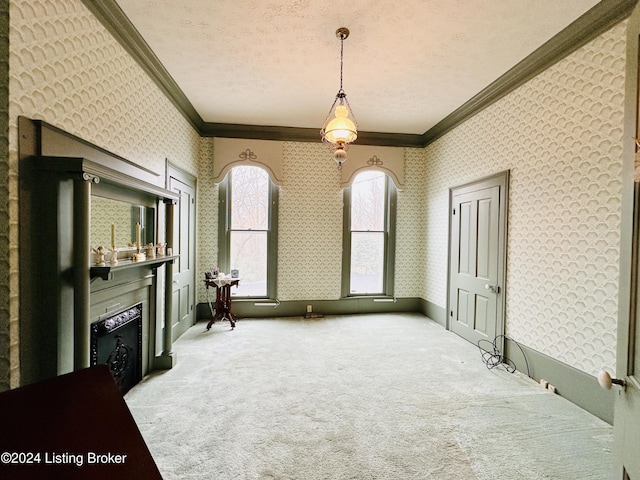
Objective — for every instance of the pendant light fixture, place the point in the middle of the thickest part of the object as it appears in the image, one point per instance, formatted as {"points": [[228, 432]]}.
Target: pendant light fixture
{"points": [[339, 130]]}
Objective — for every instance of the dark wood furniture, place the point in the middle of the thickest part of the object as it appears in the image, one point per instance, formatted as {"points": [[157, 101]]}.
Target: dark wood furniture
{"points": [[223, 300], [74, 426]]}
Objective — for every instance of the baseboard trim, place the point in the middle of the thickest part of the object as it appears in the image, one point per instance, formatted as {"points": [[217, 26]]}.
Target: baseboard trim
{"points": [[298, 308], [435, 312], [165, 361], [342, 306], [575, 385]]}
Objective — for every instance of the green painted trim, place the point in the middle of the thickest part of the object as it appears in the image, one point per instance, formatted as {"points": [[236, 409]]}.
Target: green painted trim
{"points": [[346, 242], [629, 227], [312, 135], [260, 132], [272, 241], [109, 13], [391, 195], [223, 222], [298, 308], [165, 361], [390, 254], [390, 139], [626, 408], [596, 21], [179, 173], [501, 180], [224, 232], [435, 312], [593, 23], [573, 384]]}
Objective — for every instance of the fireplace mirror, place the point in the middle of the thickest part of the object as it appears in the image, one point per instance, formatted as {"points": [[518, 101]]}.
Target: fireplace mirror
{"points": [[72, 194], [113, 223]]}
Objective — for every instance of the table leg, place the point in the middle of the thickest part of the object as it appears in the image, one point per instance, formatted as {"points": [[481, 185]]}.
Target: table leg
{"points": [[219, 308], [223, 307], [232, 320], [227, 307]]}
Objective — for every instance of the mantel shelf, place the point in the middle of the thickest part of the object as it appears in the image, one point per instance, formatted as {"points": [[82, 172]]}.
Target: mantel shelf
{"points": [[61, 177], [105, 272]]}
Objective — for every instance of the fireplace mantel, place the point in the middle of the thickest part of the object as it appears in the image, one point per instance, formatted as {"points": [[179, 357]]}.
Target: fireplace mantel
{"points": [[106, 272], [60, 288]]}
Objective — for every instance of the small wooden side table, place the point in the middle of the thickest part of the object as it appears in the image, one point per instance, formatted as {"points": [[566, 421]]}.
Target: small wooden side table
{"points": [[223, 300]]}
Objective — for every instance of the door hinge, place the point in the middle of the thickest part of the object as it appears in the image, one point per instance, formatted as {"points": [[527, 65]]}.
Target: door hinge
{"points": [[454, 211], [451, 313]]}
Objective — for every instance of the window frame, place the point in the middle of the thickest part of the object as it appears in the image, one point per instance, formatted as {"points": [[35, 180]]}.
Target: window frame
{"points": [[224, 232], [391, 196]]}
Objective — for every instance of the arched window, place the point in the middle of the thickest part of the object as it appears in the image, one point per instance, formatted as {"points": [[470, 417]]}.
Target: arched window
{"points": [[369, 235], [248, 230]]}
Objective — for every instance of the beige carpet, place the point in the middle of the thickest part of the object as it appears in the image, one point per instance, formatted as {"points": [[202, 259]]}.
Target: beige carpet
{"points": [[391, 396]]}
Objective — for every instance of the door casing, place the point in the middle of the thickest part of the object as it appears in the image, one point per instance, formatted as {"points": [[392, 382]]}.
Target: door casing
{"points": [[500, 179], [174, 172], [626, 421]]}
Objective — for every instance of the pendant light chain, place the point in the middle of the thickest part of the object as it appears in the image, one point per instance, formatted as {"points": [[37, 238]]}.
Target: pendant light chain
{"points": [[341, 56], [338, 130]]}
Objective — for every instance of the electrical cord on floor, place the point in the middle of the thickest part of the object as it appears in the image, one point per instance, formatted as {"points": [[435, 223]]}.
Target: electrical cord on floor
{"points": [[492, 357]]}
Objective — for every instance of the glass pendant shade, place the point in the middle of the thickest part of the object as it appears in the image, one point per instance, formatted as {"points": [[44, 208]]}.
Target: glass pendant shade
{"points": [[340, 129]]}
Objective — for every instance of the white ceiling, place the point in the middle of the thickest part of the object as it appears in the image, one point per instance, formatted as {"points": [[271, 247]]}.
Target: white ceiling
{"points": [[407, 63]]}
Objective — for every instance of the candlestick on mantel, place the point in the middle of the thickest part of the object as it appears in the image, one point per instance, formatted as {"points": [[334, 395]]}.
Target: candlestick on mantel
{"points": [[139, 255], [113, 235]]}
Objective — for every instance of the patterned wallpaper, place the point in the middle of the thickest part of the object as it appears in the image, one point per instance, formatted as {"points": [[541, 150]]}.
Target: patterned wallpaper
{"points": [[104, 213], [561, 136], [66, 69], [410, 227], [207, 211], [310, 224], [8, 227]]}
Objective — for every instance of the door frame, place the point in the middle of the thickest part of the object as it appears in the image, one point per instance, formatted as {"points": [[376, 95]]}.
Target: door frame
{"points": [[174, 171], [629, 264], [501, 179]]}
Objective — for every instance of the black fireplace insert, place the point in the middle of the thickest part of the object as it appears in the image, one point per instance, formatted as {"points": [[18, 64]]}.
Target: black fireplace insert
{"points": [[116, 341]]}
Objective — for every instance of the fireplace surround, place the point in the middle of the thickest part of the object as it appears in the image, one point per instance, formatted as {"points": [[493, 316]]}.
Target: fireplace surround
{"points": [[62, 292]]}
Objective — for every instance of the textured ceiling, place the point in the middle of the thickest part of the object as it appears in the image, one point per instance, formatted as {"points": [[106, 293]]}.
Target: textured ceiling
{"points": [[407, 64]]}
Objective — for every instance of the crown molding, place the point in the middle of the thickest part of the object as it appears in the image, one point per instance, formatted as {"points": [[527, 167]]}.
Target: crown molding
{"points": [[390, 139], [109, 13], [593, 23], [260, 132], [294, 134], [596, 21]]}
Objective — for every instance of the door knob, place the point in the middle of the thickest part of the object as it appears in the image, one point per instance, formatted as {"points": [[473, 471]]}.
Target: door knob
{"points": [[605, 380], [492, 288]]}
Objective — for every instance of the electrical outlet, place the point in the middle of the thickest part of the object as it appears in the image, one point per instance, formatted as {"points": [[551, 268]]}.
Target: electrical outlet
{"points": [[544, 383], [551, 388], [309, 308]]}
